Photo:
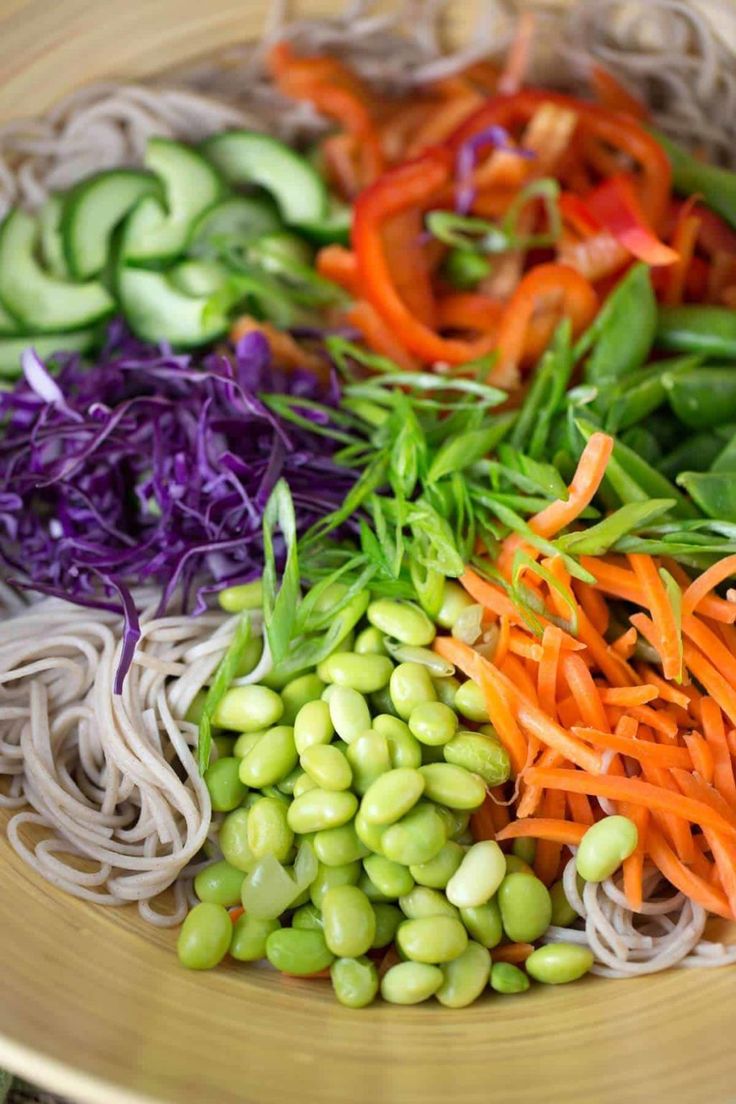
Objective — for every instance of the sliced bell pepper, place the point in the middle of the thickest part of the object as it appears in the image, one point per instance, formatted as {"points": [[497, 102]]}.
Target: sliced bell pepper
{"points": [[615, 206]]}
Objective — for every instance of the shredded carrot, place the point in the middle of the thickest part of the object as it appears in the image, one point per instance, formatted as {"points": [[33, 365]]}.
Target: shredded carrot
{"points": [[689, 883], [684, 241], [514, 953], [482, 821], [235, 913], [548, 673], [715, 734], [544, 828], [584, 691], [701, 755], [286, 351], [705, 583], [662, 613], [588, 475], [633, 866], [642, 750], [628, 695]]}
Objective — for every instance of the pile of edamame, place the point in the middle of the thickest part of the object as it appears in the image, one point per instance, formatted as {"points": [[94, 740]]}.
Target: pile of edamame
{"points": [[345, 796]]}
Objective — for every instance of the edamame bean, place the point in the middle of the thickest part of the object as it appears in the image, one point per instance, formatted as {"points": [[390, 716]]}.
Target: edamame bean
{"points": [[250, 933], [391, 879], [479, 875], [416, 838], [465, 978], [219, 883], [246, 596], [433, 723], [286, 785], [370, 641], [403, 748], [233, 840], [299, 952], [313, 725], [330, 876], [388, 918], [422, 902], [272, 758], [303, 785], [354, 981], [248, 709], [432, 939], [453, 786], [250, 657], [526, 907], [563, 914], [392, 795], [559, 963], [308, 918], [604, 847], [410, 983], [432, 753], [349, 713], [372, 891], [454, 601], [364, 673], [327, 766], [223, 783], [268, 829], [437, 872], [471, 702], [525, 849], [515, 865], [481, 755], [246, 741], [446, 688], [297, 693], [404, 621], [224, 746], [349, 921], [337, 846], [484, 923], [381, 702], [368, 755], [507, 978], [204, 937], [410, 686], [456, 821], [196, 708], [319, 809]]}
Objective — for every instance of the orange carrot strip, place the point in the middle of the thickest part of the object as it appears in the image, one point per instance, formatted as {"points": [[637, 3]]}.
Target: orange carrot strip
{"points": [[548, 671], [685, 880], [524, 646], [595, 607], [514, 953], [633, 866], [547, 857], [711, 645], [641, 750], [628, 695], [586, 481], [379, 336], [635, 791], [709, 605], [235, 913], [518, 675], [715, 734], [287, 352], [502, 644], [544, 828], [657, 719], [701, 754], [482, 821], [489, 596], [584, 690], [716, 685], [675, 828], [662, 614], [625, 645], [667, 692], [501, 715]]}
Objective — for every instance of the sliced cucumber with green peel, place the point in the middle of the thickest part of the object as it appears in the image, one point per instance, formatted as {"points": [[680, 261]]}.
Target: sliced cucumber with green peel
{"points": [[200, 277], [52, 244], [245, 157], [241, 219], [46, 345], [158, 310], [43, 303], [157, 233], [93, 210]]}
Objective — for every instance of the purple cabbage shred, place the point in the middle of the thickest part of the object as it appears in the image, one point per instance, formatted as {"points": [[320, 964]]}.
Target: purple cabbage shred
{"points": [[466, 158]]}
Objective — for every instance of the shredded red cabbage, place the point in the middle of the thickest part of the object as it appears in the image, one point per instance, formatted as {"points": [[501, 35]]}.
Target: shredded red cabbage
{"points": [[467, 156], [151, 467]]}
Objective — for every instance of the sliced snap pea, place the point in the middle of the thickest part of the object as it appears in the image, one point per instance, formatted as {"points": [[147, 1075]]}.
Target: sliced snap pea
{"points": [[250, 933], [410, 686], [507, 978], [422, 902], [220, 883], [299, 952], [403, 748], [392, 795], [388, 918], [205, 937], [233, 839], [327, 766], [433, 723], [453, 786], [364, 673], [484, 923], [713, 492], [526, 908], [349, 713], [268, 829], [479, 875], [559, 963], [330, 876], [248, 709], [437, 872], [704, 397], [432, 939], [390, 878], [297, 693], [404, 621], [337, 846], [698, 329], [416, 838], [410, 983], [319, 809], [354, 981], [271, 759], [223, 783], [465, 977], [694, 454], [604, 847], [482, 755], [471, 702], [623, 331]]}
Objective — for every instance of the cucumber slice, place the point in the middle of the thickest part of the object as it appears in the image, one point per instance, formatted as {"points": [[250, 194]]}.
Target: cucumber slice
{"points": [[52, 246], [245, 157], [41, 302], [334, 227], [157, 310], [46, 345], [199, 277], [191, 185], [92, 211], [240, 219]]}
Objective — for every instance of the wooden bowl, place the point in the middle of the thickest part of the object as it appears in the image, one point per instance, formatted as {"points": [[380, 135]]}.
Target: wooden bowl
{"points": [[93, 1003]]}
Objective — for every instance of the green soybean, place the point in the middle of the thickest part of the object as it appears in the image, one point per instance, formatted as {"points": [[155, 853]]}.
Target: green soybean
{"points": [[295, 951], [368, 756], [391, 879], [410, 983], [455, 821], [364, 673], [303, 785], [250, 657], [223, 783], [507, 978], [410, 686], [526, 907], [525, 849], [246, 741], [268, 829], [338, 846], [465, 978], [484, 923], [233, 840], [220, 883], [403, 621], [446, 688], [471, 702], [286, 785], [423, 902], [479, 875], [604, 847], [432, 939], [354, 981], [381, 702], [416, 838], [349, 713], [250, 934], [392, 795], [515, 865], [298, 693], [433, 723], [453, 786], [370, 641], [308, 918], [563, 914], [388, 918], [327, 766], [205, 937], [330, 876], [404, 749], [313, 725], [349, 921], [224, 746], [248, 709], [246, 596], [437, 872], [319, 809], [481, 755], [454, 601], [369, 834], [559, 963], [372, 891], [272, 758]]}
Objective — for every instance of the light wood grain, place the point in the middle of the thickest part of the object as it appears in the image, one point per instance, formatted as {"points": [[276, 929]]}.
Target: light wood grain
{"points": [[92, 1002]]}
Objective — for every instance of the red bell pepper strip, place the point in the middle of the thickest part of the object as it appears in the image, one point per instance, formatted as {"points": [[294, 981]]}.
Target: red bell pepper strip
{"points": [[615, 205]]}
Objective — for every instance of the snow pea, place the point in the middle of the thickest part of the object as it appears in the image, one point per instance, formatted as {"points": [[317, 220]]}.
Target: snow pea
{"points": [[690, 176], [695, 329], [643, 443], [704, 397], [641, 393], [696, 453], [725, 461], [547, 390], [622, 334], [713, 492]]}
